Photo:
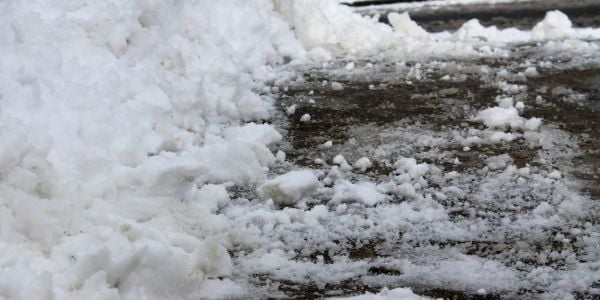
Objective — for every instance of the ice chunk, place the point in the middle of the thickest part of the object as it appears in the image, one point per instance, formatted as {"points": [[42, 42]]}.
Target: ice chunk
{"points": [[289, 188]]}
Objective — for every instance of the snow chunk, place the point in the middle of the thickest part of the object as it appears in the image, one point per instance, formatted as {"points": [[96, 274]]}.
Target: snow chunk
{"points": [[289, 188], [556, 25], [410, 166], [555, 174], [403, 24], [533, 124], [327, 145], [362, 164], [290, 110], [363, 192], [500, 117], [336, 86], [305, 118], [350, 66], [407, 190], [213, 196], [263, 134]]}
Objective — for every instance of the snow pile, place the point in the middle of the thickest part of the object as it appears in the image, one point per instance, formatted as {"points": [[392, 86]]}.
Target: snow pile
{"points": [[326, 25], [125, 124], [121, 130]]}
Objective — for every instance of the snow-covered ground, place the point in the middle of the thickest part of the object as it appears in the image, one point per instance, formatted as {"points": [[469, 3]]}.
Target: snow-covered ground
{"points": [[143, 156]]}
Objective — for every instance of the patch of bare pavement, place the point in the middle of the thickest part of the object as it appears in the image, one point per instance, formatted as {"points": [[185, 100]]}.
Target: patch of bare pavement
{"points": [[486, 181]]}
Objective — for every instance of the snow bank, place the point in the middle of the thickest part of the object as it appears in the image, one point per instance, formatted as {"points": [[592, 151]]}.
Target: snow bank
{"points": [[121, 127]]}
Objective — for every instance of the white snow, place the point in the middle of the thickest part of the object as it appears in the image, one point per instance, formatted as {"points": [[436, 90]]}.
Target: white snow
{"points": [[290, 187], [336, 86], [362, 164], [402, 23], [305, 118], [126, 124], [556, 25], [362, 192]]}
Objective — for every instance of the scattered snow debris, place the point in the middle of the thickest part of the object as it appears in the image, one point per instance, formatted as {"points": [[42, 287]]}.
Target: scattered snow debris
{"points": [[363, 192], [305, 118], [289, 188], [336, 86], [371, 87], [362, 164], [556, 25], [466, 148], [291, 110], [319, 161], [369, 65], [481, 292], [349, 66], [311, 92]]}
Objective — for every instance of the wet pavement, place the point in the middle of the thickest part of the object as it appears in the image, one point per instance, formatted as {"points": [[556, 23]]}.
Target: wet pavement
{"points": [[425, 110], [583, 13]]}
